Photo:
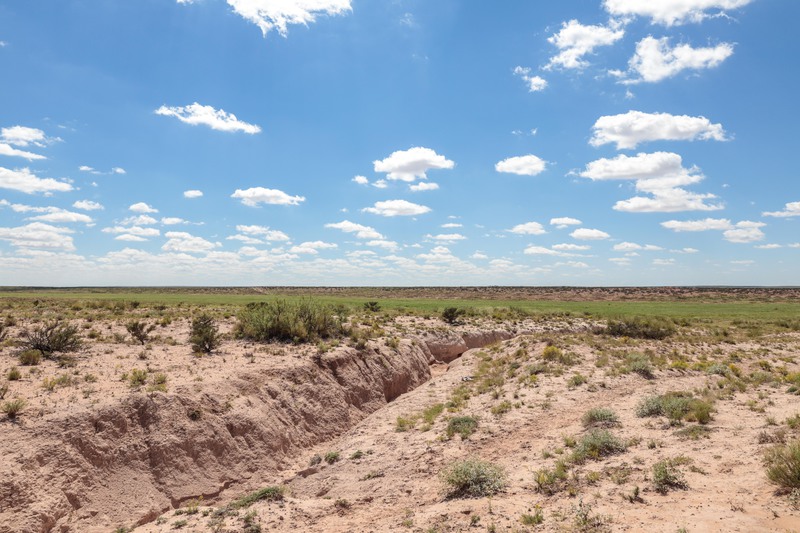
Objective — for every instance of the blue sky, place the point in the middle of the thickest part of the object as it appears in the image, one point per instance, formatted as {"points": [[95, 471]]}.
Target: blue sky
{"points": [[404, 142]]}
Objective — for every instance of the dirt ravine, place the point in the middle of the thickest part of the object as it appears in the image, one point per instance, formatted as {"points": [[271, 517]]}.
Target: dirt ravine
{"points": [[130, 460]]}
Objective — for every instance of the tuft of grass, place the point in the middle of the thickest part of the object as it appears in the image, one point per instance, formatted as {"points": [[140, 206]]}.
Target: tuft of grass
{"points": [[30, 357], [600, 417], [501, 408], [577, 380], [597, 444], [667, 476], [639, 364], [550, 482], [473, 478], [676, 406], [137, 378], [14, 374], [332, 457], [783, 465], [270, 494], [12, 408], [461, 425], [533, 519], [694, 432]]}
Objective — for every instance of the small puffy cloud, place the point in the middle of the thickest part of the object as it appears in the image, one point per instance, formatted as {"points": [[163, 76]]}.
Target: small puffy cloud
{"points": [[452, 225], [525, 165], [118, 170], [141, 207], [62, 216], [655, 60], [630, 129], [745, 232], [566, 247], [264, 232], [663, 262], [23, 180], [479, 255], [171, 221], [424, 186], [632, 247], [38, 235], [393, 208], [769, 246], [623, 261], [271, 15], [259, 195], [660, 174], [391, 246], [534, 83], [573, 264], [792, 209], [127, 237], [196, 114], [541, 250], [563, 222], [138, 220], [380, 184], [132, 230], [25, 136], [361, 180], [672, 12], [576, 40], [706, 224], [795, 245], [87, 205], [587, 234], [528, 228], [193, 193], [180, 241], [87, 168], [312, 248], [408, 165], [362, 232], [446, 238], [245, 239], [8, 150]]}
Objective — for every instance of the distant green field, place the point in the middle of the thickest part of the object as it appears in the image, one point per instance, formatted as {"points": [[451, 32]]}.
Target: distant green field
{"points": [[696, 308]]}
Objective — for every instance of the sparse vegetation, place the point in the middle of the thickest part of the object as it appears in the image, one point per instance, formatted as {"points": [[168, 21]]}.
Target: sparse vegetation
{"points": [[461, 425], [304, 320], [676, 406], [14, 374], [451, 315], [473, 478], [600, 417], [596, 444], [204, 337], [641, 327], [30, 357], [12, 408], [53, 337], [783, 465], [140, 330], [667, 476], [271, 494]]}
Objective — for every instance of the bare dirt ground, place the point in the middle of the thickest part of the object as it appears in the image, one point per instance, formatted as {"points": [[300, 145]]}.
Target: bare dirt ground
{"points": [[355, 437]]}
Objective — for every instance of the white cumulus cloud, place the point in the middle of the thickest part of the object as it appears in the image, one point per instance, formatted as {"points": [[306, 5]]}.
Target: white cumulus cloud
{"points": [[630, 129], [587, 234], [192, 193], [524, 165], [38, 235], [141, 207], [196, 114], [655, 60], [180, 241], [24, 180], [393, 208], [25, 136], [264, 232], [424, 186], [408, 165], [706, 224], [277, 15], [566, 247], [362, 232], [259, 195], [576, 40], [87, 205], [672, 12], [528, 228], [8, 150], [745, 232], [792, 209], [563, 222], [534, 83], [361, 180], [312, 247]]}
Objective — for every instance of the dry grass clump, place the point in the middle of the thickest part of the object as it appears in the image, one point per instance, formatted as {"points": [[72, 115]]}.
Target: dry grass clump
{"points": [[783, 465], [667, 476], [676, 406], [53, 337], [600, 417], [473, 478], [641, 327], [596, 444], [12, 408], [461, 425], [271, 494]]}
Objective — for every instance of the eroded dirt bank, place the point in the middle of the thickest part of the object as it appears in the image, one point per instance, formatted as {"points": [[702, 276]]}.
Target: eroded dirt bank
{"points": [[129, 460]]}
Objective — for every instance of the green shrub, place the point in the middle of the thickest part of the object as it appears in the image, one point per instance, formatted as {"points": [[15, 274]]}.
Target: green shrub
{"points": [[577, 380], [204, 337], [596, 444], [667, 476], [640, 327], [533, 519], [461, 425], [14, 374], [331, 457], [372, 307], [301, 321], [783, 465], [30, 357], [137, 378], [473, 478], [600, 417], [452, 314], [271, 494], [53, 337], [639, 364], [551, 353], [676, 406], [501, 408], [140, 331], [550, 482], [12, 408]]}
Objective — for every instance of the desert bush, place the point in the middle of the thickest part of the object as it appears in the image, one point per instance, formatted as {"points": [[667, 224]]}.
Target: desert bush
{"points": [[639, 364], [204, 337], [473, 478], [271, 494], [302, 321], [461, 425], [140, 330], [14, 374], [501, 408], [550, 482], [372, 307], [641, 327], [30, 357], [596, 444], [137, 378], [600, 417], [332, 457], [52, 337], [452, 314], [667, 476], [783, 465], [676, 406], [12, 408]]}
